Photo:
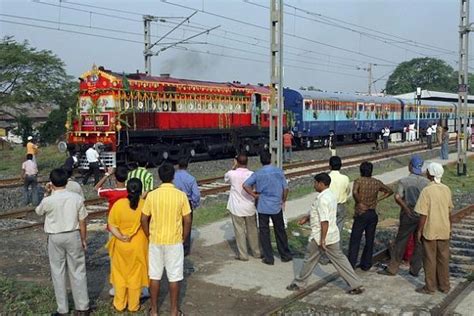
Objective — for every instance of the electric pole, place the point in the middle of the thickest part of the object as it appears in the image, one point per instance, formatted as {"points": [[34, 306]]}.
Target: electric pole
{"points": [[147, 19], [463, 88], [276, 81], [148, 53], [369, 70]]}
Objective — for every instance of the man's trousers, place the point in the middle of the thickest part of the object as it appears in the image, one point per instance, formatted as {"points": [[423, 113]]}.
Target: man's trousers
{"points": [[245, 230], [280, 236], [365, 222], [65, 252], [436, 264], [338, 259], [408, 226]]}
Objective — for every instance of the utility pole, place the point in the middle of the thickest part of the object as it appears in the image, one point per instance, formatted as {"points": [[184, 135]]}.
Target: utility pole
{"points": [[369, 69], [148, 53], [276, 81], [463, 88], [147, 19]]}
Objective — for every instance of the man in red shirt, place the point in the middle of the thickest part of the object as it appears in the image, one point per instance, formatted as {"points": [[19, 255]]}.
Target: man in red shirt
{"points": [[113, 194], [287, 145]]}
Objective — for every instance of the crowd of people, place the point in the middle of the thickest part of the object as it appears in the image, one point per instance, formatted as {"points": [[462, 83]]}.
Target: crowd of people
{"points": [[150, 228]]}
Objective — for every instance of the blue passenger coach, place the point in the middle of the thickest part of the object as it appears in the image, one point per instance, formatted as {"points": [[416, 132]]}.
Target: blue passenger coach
{"points": [[349, 117]]}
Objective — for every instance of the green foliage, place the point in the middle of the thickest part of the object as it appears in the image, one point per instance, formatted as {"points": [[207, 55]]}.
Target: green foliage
{"points": [[427, 73], [24, 127], [28, 75]]}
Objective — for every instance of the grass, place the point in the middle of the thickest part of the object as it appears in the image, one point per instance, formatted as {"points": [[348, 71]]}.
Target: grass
{"points": [[21, 297], [210, 213], [48, 158]]}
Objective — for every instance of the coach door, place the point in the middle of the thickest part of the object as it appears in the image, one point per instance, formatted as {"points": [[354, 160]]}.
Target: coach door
{"points": [[256, 109]]}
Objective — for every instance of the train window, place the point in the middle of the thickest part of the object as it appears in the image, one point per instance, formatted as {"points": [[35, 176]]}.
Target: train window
{"points": [[244, 108], [307, 104], [173, 106]]}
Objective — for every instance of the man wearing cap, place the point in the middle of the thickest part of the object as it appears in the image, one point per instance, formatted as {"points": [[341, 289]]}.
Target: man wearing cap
{"points": [[31, 148], [434, 230], [409, 189]]}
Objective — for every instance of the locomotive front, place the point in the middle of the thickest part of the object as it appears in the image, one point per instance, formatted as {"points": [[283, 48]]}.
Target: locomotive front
{"points": [[95, 120]]}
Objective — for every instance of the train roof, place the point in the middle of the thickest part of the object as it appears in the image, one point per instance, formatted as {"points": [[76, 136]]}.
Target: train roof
{"points": [[435, 96], [165, 78], [345, 97]]}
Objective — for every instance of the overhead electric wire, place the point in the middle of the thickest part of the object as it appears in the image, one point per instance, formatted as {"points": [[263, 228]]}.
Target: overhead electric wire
{"points": [[382, 39], [265, 62], [225, 31], [178, 47], [86, 11], [87, 27], [407, 40], [118, 10], [266, 29]]}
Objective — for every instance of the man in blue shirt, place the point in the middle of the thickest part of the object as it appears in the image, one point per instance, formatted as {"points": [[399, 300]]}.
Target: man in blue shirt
{"points": [[185, 182], [269, 188]]}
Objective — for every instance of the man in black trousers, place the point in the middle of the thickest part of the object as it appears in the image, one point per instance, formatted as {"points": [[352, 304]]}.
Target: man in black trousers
{"points": [[269, 187]]}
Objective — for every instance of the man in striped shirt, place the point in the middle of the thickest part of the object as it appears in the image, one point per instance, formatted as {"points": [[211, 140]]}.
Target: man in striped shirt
{"points": [[142, 174]]}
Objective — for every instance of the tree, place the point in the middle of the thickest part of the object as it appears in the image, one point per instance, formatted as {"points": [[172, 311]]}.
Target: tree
{"points": [[427, 73], [54, 127], [28, 75], [24, 128]]}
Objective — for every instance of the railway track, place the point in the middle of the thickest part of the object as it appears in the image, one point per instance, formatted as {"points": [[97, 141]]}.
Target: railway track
{"points": [[17, 181], [216, 185], [461, 264]]}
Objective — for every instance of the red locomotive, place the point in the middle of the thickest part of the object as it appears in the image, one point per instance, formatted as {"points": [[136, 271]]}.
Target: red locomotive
{"points": [[166, 118]]}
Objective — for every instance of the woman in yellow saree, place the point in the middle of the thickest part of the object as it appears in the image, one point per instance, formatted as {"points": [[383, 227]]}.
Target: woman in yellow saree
{"points": [[128, 249]]}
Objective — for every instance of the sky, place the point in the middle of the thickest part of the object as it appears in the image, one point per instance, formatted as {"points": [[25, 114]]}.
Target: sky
{"points": [[327, 44]]}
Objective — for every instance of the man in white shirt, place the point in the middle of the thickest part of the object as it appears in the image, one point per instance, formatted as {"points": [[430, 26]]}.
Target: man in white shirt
{"points": [[385, 135], [324, 238], [242, 209], [434, 130], [29, 174], [65, 224], [429, 136], [93, 158], [411, 132]]}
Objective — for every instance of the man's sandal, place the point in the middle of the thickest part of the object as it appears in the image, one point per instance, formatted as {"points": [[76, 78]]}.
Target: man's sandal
{"points": [[423, 290], [356, 291]]}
